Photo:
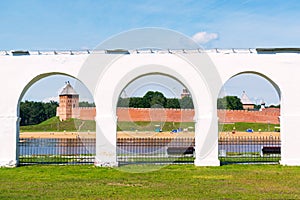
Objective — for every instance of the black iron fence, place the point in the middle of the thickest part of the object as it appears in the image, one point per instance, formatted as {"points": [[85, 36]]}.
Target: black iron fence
{"points": [[262, 149], [57, 151], [155, 150], [147, 150]]}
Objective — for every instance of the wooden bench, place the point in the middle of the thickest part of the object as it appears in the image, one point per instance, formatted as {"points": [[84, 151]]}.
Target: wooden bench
{"points": [[180, 150], [270, 150]]}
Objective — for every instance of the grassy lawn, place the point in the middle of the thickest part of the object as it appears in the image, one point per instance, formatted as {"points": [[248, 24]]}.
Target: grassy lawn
{"points": [[54, 124], [243, 126], [150, 126], [171, 182]]}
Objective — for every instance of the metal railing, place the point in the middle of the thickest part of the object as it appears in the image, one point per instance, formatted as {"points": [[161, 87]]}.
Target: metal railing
{"points": [[147, 150], [155, 150], [249, 149], [57, 151]]}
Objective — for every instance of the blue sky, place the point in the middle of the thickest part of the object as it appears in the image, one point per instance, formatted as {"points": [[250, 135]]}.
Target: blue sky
{"points": [[83, 24], [73, 24]]}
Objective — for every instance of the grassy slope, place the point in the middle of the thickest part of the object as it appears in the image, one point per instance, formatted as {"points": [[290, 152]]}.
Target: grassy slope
{"points": [[171, 182], [150, 126], [54, 124], [243, 126]]}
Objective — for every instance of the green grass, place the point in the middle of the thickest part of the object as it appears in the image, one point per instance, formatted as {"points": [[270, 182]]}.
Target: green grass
{"points": [[54, 124], [150, 126], [56, 159], [243, 126], [171, 182]]}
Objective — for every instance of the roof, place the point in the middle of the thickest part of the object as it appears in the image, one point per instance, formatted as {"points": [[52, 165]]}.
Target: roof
{"points": [[68, 90], [245, 99]]}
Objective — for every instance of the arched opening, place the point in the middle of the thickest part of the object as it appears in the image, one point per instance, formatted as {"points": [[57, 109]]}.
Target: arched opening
{"points": [[249, 119], [127, 68], [56, 125], [155, 124]]}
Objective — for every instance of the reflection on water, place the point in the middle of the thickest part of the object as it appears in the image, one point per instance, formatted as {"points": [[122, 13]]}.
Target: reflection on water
{"points": [[53, 146], [83, 150]]}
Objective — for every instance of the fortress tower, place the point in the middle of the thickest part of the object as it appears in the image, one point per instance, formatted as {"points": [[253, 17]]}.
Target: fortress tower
{"points": [[185, 93], [68, 103], [247, 103]]}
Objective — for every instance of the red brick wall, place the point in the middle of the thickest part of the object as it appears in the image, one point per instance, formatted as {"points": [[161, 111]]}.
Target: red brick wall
{"points": [[88, 113], [269, 115], [148, 114]]}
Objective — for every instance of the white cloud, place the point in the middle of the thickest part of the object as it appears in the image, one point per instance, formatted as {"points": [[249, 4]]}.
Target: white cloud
{"points": [[204, 37]]}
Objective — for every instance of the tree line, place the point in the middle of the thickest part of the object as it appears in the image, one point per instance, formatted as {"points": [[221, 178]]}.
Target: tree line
{"points": [[32, 112], [155, 100], [36, 112]]}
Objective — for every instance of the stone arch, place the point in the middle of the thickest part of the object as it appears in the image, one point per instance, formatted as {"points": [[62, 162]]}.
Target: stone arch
{"points": [[34, 80], [267, 77], [238, 114], [263, 75], [126, 69]]}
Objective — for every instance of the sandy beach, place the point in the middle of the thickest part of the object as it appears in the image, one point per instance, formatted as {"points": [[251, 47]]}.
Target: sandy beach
{"points": [[141, 134]]}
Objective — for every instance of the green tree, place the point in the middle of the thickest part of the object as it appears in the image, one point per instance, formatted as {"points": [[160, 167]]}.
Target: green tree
{"points": [[123, 102], [86, 104], [172, 103], [136, 102], [36, 112], [186, 103], [257, 107], [154, 99], [230, 103], [274, 106]]}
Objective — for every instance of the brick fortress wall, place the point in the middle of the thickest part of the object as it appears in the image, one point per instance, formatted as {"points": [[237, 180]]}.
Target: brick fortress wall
{"points": [[268, 115]]}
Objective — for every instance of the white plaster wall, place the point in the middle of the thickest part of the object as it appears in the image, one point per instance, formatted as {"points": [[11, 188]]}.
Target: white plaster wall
{"points": [[129, 67], [19, 72], [284, 70]]}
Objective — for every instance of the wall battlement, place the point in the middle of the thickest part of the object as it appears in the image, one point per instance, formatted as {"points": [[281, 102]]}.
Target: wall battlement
{"points": [[268, 115]]}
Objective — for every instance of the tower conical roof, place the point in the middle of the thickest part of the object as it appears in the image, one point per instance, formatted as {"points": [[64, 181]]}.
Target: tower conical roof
{"points": [[68, 90], [245, 99]]}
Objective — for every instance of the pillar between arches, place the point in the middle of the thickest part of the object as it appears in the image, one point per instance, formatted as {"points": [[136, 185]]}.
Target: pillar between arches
{"points": [[8, 141], [206, 141], [106, 140], [290, 140]]}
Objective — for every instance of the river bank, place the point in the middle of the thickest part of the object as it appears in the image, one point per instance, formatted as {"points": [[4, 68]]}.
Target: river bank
{"points": [[65, 135]]}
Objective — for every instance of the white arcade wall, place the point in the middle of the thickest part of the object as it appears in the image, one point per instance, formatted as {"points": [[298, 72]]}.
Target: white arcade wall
{"points": [[202, 73]]}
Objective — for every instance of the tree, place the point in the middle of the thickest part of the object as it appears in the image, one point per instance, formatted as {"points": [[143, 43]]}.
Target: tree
{"points": [[86, 104], [229, 103], [154, 99], [172, 103], [257, 107], [123, 102], [186, 103], [36, 112], [274, 106], [136, 102]]}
